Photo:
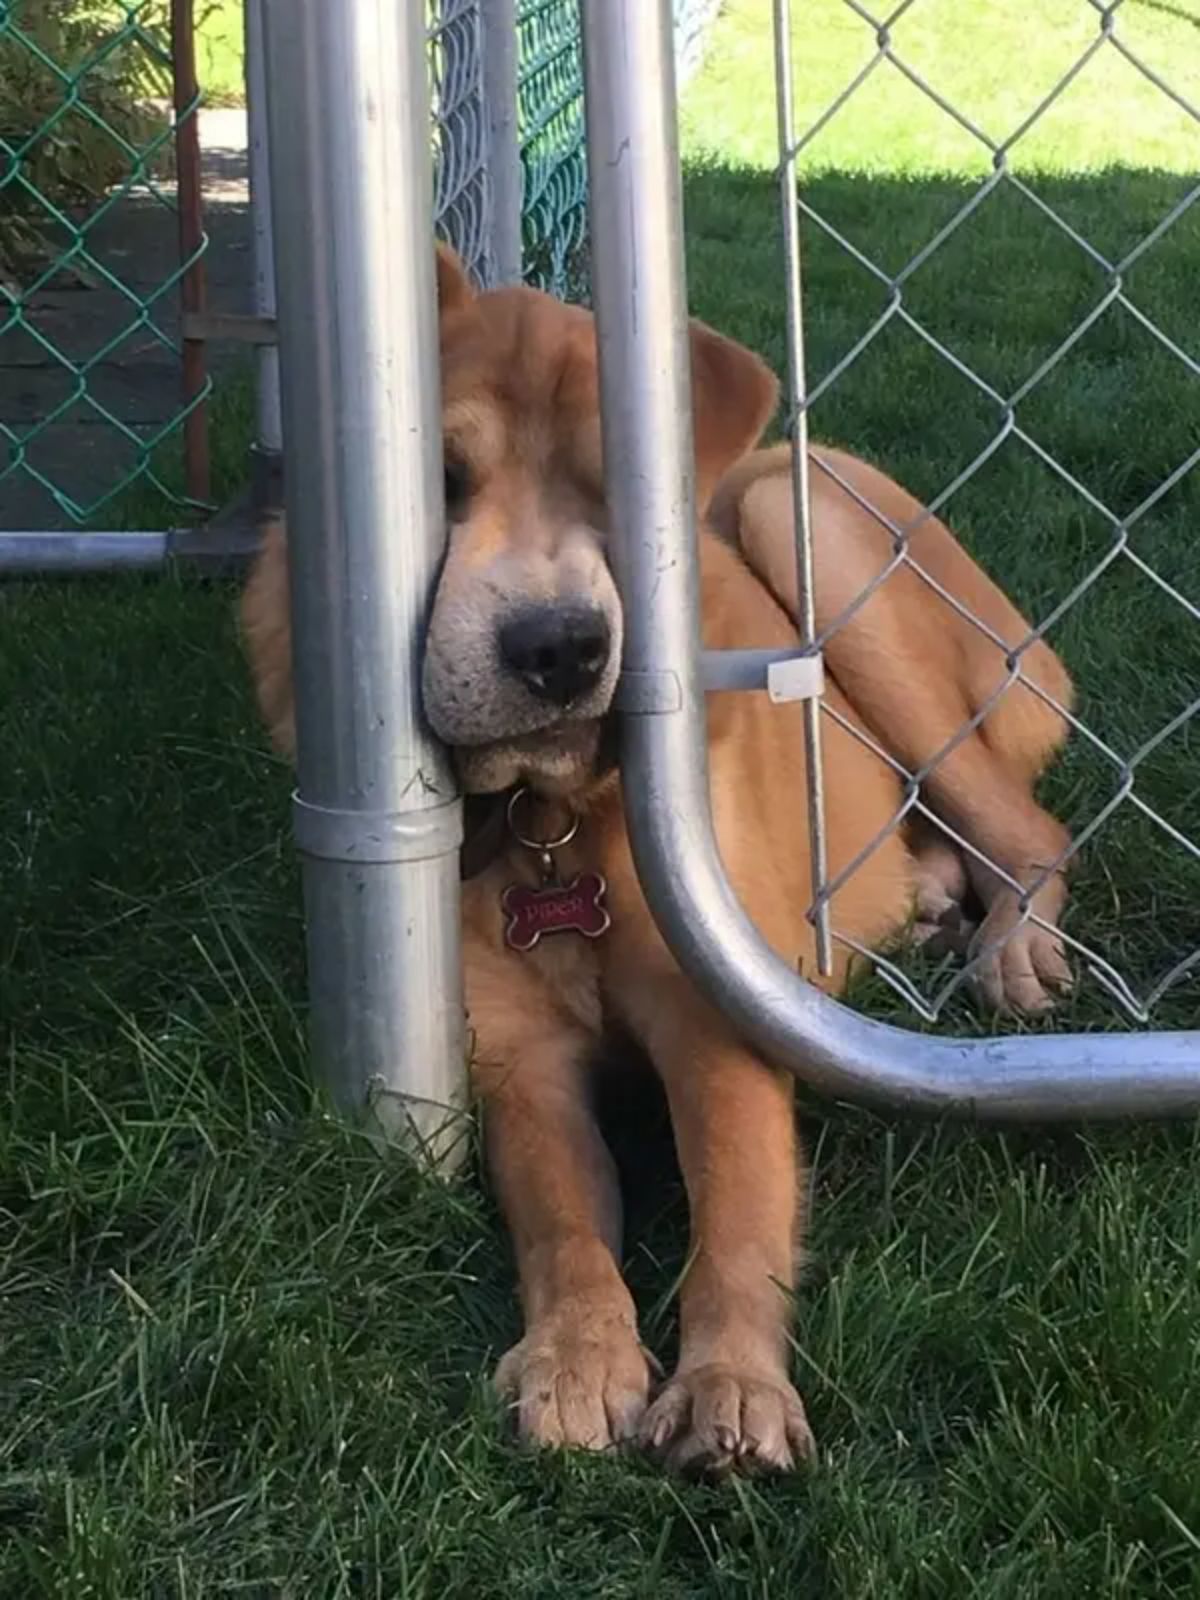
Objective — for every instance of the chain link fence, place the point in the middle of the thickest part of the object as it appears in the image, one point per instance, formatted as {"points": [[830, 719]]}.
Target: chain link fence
{"points": [[99, 269], [90, 266], [553, 158], [460, 131], [1013, 342]]}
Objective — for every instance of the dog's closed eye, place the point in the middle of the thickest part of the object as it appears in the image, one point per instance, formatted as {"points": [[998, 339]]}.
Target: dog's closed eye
{"points": [[457, 486]]}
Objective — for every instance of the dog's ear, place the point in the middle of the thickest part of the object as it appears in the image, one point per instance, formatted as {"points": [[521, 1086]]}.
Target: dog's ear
{"points": [[733, 396], [454, 287]]}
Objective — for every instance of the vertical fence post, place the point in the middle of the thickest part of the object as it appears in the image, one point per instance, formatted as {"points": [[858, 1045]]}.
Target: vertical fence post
{"points": [[500, 45], [798, 423], [193, 287], [267, 448], [377, 817]]}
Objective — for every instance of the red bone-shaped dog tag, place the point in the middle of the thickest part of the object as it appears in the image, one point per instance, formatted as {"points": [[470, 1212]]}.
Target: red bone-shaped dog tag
{"points": [[576, 907]]}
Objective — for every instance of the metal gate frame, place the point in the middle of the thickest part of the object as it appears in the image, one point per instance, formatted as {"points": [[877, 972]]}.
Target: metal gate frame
{"points": [[641, 316], [374, 866]]}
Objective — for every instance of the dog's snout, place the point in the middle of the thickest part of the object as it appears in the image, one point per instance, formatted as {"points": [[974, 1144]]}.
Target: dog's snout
{"points": [[559, 653]]}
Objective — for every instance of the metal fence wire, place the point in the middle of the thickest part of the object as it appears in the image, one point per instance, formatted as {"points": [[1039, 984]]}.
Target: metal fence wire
{"points": [[1129, 537]]}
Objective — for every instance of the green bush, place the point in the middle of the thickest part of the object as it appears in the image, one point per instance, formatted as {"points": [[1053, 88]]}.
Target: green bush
{"points": [[78, 79]]}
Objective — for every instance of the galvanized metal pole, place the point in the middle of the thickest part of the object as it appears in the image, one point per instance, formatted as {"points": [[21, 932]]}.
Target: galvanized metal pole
{"points": [[498, 40], [377, 817], [268, 441], [641, 326], [638, 289]]}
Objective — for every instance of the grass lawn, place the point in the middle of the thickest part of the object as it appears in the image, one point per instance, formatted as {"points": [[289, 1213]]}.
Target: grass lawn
{"points": [[219, 51], [242, 1356]]}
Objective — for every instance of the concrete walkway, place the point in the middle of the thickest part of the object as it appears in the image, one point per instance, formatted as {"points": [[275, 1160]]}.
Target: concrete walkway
{"points": [[137, 380]]}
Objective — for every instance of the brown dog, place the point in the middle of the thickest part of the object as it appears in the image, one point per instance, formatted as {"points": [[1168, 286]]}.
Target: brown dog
{"points": [[521, 663]]}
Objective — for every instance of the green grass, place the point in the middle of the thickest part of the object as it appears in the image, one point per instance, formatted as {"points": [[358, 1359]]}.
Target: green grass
{"points": [[992, 60], [219, 52], [242, 1356]]}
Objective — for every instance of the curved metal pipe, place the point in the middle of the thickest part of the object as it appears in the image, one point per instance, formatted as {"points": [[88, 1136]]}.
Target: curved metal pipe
{"points": [[637, 269]]}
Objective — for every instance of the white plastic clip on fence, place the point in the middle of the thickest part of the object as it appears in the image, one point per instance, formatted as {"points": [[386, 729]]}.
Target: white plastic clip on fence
{"points": [[798, 678], [377, 817], [638, 286]]}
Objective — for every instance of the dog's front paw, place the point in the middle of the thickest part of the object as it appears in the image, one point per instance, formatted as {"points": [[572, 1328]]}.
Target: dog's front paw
{"points": [[1021, 967], [716, 1419], [577, 1380]]}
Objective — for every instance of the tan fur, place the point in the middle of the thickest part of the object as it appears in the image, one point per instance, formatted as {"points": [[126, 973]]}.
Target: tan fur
{"points": [[266, 619], [916, 670], [523, 368]]}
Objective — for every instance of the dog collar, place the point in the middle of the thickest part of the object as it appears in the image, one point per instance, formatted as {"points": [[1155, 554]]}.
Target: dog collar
{"points": [[485, 832]]}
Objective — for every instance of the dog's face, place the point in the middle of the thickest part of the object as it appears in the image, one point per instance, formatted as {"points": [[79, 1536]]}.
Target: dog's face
{"points": [[524, 644]]}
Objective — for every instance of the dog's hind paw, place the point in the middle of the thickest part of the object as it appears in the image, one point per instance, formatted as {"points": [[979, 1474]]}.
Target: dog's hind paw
{"points": [[1021, 966], [949, 934]]}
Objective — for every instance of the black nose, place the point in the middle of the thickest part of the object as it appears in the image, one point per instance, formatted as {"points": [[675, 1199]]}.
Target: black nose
{"points": [[559, 653]]}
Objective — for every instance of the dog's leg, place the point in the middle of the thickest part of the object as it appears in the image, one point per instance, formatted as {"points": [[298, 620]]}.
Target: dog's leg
{"points": [[1021, 962], [916, 672], [730, 1404], [579, 1376]]}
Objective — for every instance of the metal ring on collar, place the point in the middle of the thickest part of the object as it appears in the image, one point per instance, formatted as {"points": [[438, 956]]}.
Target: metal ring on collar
{"points": [[565, 837]]}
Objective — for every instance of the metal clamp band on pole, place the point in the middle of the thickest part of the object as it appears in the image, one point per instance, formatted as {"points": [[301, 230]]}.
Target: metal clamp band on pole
{"points": [[337, 835], [638, 288], [352, 197]]}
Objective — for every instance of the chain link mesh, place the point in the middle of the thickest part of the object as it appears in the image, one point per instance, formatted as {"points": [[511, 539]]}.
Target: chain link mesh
{"points": [[85, 152], [460, 134], [553, 157], [1130, 740], [89, 263]]}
